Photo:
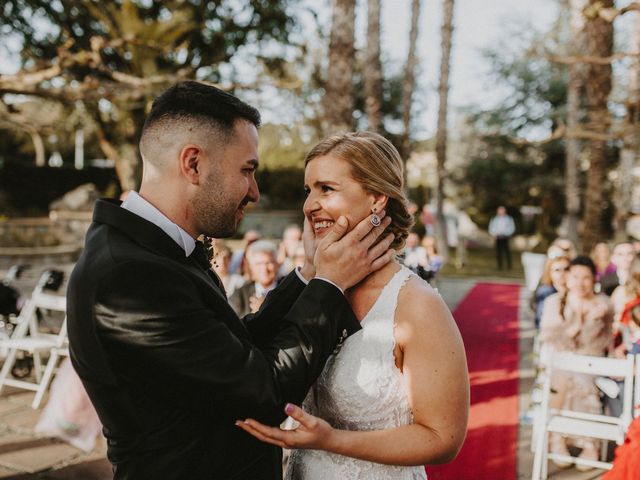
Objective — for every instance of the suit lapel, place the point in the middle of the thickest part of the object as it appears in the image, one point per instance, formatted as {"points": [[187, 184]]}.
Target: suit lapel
{"points": [[153, 238]]}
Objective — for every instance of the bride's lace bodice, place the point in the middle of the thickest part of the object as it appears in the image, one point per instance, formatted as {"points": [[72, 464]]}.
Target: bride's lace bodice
{"points": [[360, 389]]}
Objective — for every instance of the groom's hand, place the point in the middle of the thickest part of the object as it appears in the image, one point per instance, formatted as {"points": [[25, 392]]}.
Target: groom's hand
{"points": [[346, 259], [308, 270]]}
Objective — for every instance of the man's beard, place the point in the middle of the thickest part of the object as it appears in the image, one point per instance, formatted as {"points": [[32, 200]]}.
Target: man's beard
{"points": [[215, 212]]}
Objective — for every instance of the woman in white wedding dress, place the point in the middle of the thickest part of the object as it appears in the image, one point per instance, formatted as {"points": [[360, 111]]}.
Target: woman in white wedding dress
{"points": [[395, 395]]}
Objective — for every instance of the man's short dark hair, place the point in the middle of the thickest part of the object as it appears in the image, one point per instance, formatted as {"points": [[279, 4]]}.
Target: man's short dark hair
{"points": [[190, 100], [584, 261]]}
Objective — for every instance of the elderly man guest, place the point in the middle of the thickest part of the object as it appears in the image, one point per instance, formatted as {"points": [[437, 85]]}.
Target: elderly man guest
{"points": [[263, 265]]}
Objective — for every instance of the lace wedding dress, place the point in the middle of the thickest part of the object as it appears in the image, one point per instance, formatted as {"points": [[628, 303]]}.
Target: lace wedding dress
{"points": [[360, 389]]}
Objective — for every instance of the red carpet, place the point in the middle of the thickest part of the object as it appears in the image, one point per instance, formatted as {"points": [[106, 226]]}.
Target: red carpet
{"points": [[488, 320]]}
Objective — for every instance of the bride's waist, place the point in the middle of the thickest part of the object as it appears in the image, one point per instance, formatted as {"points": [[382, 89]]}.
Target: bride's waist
{"points": [[369, 422]]}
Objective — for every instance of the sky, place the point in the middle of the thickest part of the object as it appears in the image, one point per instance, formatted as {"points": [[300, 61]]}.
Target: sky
{"points": [[478, 24]]}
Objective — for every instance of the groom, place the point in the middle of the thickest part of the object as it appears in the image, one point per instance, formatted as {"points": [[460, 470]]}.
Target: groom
{"points": [[167, 363]]}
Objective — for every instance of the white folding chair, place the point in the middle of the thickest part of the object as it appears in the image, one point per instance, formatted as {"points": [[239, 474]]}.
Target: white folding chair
{"points": [[541, 359], [60, 349], [580, 424], [27, 337]]}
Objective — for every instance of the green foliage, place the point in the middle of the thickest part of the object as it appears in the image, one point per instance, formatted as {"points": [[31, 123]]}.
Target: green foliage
{"points": [[116, 56], [282, 188], [507, 166], [161, 35]]}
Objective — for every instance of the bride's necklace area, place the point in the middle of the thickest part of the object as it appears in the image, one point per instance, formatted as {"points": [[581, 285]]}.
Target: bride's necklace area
{"points": [[363, 296]]}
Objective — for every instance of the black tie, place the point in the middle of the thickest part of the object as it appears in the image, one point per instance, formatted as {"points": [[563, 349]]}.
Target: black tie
{"points": [[199, 255]]}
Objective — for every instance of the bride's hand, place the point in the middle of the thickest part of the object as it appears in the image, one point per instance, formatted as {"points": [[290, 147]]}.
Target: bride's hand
{"points": [[313, 432]]}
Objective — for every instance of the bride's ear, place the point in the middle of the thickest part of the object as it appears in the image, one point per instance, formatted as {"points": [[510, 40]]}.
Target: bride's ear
{"points": [[379, 202]]}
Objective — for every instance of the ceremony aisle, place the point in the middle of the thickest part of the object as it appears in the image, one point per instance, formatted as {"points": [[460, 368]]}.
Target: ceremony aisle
{"points": [[488, 320]]}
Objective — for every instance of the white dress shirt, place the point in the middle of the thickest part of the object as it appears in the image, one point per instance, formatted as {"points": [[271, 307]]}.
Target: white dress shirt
{"points": [[141, 207]]}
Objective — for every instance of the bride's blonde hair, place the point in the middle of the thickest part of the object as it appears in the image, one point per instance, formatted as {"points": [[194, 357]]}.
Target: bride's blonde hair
{"points": [[376, 164]]}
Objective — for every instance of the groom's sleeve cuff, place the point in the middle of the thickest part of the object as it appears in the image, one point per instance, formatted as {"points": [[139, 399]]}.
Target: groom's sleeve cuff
{"points": [[306, 282]]}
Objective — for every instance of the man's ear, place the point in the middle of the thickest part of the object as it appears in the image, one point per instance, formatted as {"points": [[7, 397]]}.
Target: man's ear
{"points": [[191, 158]]}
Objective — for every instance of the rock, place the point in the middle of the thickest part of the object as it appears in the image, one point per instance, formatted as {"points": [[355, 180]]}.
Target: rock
{"points": [[80, 198]]}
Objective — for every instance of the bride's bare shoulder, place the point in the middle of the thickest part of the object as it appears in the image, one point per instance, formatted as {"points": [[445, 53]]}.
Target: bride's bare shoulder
{"points": [[421, 308]]}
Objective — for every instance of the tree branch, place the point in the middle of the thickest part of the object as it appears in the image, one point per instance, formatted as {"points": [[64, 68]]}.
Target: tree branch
{"points": [[562, 132], [571, 59], [610, 14]]}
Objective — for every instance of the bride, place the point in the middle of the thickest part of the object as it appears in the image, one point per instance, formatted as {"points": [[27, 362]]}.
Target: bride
{"points": [[395, 395]]}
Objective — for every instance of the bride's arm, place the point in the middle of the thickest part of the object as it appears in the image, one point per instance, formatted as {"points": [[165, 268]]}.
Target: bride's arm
{"points": [[435, 369]]}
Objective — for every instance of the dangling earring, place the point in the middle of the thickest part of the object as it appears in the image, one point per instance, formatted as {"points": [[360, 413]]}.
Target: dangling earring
{"points": [[375, 219]]}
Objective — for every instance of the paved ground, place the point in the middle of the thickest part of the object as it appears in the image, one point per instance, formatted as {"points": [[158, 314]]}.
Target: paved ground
{"points": [[25, 455]]}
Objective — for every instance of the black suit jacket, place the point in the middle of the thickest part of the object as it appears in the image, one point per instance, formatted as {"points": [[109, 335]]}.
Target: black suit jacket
{"points": [[169, 366]]}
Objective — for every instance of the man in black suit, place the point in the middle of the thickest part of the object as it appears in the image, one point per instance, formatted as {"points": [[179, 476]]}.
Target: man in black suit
{"points": [[263, 267], [166, 362]]}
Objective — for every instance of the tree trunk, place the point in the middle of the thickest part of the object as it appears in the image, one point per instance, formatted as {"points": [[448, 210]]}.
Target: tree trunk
{"points": [[408, 84], [338, 99], [629, 151], [599, 34], [573, 145], [125, 159], [38, 146], [373, 70], [441, 134]]}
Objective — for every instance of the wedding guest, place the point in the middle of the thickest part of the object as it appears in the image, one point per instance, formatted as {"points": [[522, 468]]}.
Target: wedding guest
{"points": [[220, 263], [238, 262], [601, 256], [501, 228], [621, 256], [554, 280], [577, 321], [299, 256], [414, 254], [435, 260], [291, 237], [263, 266], [626, 301], [626, 328], [566, 245]]}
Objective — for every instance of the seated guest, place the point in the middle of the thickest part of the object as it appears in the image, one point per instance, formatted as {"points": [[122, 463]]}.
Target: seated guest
{"points": [[220, 264], [414, 254], [238, 260], [553, 280], [435, 260], [291, 237], [626, 308], [601, 256], [565, 245], [263, 266], [621, 256], [299, 255], [577, 321]]}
